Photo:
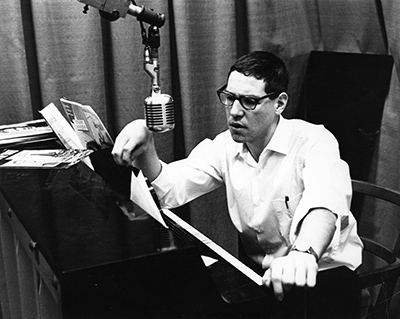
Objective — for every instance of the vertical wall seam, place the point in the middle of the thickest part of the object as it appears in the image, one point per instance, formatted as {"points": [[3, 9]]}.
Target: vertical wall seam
{"points": [[31, 57]]}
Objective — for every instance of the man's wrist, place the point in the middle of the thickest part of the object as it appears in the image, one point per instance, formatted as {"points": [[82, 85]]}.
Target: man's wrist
{"points": [[306, 250]]}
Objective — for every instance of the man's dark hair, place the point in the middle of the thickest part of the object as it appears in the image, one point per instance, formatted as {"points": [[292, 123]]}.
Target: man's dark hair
{"points": [[264, 66]]}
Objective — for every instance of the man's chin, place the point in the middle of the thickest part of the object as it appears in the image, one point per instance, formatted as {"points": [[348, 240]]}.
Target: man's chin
{"points": [[238, 138]]}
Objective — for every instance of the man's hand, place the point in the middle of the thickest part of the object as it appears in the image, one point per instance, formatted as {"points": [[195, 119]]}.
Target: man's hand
{"points": [[297, 268], [135, 146], [131, 142]]}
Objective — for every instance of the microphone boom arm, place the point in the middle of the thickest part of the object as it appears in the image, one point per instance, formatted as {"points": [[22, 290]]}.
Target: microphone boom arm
{"points": [[158, 107], [120, 8]]}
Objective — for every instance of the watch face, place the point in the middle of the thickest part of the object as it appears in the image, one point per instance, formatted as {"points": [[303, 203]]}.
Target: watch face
{"points": [[301, 248], [308, 250]]}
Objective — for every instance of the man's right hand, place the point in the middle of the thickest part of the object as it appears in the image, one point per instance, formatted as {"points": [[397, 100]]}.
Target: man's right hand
{"points": [[134, 146]]}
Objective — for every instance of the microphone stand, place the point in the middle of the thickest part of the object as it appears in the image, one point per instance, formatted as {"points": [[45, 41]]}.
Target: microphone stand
{"points": [[152, 43], [159, 108]]}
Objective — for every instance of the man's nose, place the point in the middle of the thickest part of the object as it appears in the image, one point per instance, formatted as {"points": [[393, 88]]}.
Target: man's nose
{"points": [[236, 109]]}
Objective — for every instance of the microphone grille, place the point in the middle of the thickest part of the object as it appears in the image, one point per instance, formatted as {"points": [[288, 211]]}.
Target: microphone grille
{"points": [[159, 113]]}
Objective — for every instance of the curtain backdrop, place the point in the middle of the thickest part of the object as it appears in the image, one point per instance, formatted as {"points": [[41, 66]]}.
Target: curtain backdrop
{"points": [[51, 49]]}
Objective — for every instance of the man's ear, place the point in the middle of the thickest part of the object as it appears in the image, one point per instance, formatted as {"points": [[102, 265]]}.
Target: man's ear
{"points": [[281, 103]]}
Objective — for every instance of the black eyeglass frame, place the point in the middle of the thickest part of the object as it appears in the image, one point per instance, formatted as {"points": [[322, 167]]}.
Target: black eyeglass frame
{"points": [[239, 98]]}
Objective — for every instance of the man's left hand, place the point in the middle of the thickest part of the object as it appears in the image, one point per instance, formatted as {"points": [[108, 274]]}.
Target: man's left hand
{"points": [[297, 268]]}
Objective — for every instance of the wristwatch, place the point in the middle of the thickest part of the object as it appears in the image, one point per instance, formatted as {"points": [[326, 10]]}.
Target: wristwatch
{"points": [[309, 250]]}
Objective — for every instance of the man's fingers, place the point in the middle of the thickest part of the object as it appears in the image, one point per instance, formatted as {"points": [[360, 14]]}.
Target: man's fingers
{"points": [[130, 143], [273, 277], [286, 272], [267, 278], [276, 280], [300, 278], [288, 278], [130, 151], [312, 276], [117, 151]]}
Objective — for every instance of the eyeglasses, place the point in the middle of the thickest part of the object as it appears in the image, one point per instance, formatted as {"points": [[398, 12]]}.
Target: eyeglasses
{"points": [[247, 102]]}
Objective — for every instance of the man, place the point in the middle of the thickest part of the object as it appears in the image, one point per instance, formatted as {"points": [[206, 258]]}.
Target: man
{"points": [[288, 191]]}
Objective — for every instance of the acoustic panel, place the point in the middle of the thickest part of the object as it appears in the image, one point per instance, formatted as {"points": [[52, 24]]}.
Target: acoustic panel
{"points": [[346, 93]]}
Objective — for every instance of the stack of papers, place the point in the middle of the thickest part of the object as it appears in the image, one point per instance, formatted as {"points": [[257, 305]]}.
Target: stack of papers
{"points": [[12, 135], [51, 158]]}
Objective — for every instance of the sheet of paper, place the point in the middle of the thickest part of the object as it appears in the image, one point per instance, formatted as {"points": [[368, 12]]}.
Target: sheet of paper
{"points": [[63, 130], [61, 127], [208, 261], [140, 195], [87, 124]]}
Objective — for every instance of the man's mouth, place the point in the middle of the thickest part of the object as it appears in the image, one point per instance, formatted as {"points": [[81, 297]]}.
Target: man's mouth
{"points": [[236, 125]]}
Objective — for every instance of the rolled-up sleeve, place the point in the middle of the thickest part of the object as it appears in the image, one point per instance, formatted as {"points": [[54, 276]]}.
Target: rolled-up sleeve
{"points": [[327, 184], [183, 181]]}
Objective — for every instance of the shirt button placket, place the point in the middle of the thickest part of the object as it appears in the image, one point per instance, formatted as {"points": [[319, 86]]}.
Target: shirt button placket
{"points": [[256, 192]]}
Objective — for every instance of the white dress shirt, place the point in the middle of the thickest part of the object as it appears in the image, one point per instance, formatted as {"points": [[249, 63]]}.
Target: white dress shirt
{"points": [[298, 170]]}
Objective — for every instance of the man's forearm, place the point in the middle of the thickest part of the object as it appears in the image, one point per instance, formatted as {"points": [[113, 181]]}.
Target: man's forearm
{"points": [[149, 163], [317, 230]]}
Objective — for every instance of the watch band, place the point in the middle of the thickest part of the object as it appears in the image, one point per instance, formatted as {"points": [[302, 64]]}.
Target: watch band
{"points": [[309, 250]]}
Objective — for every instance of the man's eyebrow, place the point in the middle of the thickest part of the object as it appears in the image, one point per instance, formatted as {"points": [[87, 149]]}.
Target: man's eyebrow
{"points": [[246, 95]]}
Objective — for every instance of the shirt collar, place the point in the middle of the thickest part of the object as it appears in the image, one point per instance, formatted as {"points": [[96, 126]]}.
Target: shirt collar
{"points": [[280, 140]]}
